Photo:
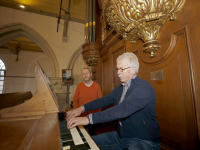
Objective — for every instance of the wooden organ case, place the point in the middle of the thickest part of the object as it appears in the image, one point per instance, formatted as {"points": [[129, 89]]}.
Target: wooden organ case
{"points": [[34, 125]]}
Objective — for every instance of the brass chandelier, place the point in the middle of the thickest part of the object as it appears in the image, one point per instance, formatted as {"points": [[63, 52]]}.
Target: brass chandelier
{"points": [[141, 19]]}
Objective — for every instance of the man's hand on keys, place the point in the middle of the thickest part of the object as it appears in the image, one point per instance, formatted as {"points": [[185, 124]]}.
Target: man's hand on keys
{"points": [[73, 120], [77, 121]]}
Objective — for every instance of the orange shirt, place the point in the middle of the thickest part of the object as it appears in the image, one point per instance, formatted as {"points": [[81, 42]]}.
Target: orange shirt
{"points": [[84, 94]]}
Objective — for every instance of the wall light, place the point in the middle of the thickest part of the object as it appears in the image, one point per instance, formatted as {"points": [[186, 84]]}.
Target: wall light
{"points": [[22, 6]]}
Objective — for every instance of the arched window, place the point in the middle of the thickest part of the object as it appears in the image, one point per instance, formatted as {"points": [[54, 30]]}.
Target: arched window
{"points": [[2, 73]]}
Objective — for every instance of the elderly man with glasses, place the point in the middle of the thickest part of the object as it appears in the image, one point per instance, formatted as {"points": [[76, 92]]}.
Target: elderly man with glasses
{"points": [[134, 108]]}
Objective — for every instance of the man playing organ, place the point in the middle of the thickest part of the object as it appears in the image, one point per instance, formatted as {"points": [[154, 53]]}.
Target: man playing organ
{"points": [[134, 108]]}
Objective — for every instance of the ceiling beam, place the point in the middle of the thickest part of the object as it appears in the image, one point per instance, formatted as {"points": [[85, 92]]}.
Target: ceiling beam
{"points": [[66, 20], [11, 47]]}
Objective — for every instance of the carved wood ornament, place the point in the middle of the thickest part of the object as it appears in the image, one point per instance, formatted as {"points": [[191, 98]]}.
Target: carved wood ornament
{"points": [[141, 19]]}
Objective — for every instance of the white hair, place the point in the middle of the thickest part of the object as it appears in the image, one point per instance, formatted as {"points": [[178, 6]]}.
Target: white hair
{"points": [[132, 59]]}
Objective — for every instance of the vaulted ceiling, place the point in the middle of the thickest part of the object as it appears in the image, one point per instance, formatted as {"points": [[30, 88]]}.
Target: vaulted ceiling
{"points": [[54, 8]]}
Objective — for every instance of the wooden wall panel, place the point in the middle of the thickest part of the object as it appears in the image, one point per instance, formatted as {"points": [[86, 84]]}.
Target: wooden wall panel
{"points": [[191, 13], [105, 75], [177, 95], [115, 51], [174, 98], [97, 72]]}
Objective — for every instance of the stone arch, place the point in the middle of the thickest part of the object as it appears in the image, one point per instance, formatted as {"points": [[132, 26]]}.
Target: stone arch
{"points": [[74, 57], [15, 30]]}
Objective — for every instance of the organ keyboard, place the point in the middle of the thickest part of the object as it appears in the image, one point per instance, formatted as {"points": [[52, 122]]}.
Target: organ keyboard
{"points": [[76, 138], [34, 125]]}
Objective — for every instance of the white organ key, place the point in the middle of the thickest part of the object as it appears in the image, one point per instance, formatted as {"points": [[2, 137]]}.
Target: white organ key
{"points": [[66, 148], [76, 137], [91, 143]]}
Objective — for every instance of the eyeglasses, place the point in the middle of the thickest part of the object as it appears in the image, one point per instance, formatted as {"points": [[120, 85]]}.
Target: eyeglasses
{"points": [[121, 69]]}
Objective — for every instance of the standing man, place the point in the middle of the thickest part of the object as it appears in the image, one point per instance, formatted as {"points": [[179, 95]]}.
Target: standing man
{"points": [[134, 109], [87, 91]]}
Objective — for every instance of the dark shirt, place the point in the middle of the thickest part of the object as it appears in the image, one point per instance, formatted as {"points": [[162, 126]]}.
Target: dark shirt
{"points": [[137, 110]]}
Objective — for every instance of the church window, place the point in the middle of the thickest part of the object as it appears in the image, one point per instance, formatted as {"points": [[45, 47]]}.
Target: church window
{"points": [[2, 74]]}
